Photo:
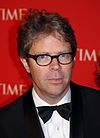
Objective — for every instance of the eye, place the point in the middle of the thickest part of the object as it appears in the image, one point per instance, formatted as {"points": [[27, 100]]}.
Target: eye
{"points": [[65, 55], [42, 57]]}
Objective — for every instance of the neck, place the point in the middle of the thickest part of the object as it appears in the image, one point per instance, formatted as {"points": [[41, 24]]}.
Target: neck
{"points": [[52, 99]]}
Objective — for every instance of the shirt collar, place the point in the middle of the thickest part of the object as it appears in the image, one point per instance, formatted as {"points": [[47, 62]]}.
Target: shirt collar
{"points": [[39, 102]]}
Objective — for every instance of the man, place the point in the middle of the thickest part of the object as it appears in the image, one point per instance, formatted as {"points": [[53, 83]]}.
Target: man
{"points": [[47, 47]]}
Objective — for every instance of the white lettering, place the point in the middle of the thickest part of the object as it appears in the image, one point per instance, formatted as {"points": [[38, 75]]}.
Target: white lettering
{"points": [[22, 13], [8, 89], [11, 16], [90, 56], [11, 90], [86, 55], [8, 14]]}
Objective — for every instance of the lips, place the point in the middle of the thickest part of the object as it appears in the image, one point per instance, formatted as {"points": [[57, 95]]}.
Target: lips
{"points": [[55, 77], [55, 80]]}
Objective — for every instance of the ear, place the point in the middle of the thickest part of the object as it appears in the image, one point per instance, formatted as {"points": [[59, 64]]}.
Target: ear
{"points": [[25, 64]]}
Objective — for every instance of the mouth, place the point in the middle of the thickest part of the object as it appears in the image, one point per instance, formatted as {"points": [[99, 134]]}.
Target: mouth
{"points": [[55, 80]]}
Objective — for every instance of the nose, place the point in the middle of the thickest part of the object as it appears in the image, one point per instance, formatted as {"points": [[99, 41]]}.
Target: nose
{"points": [[55, 65]]}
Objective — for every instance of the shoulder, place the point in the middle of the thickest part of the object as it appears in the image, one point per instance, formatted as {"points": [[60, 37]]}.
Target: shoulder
{"points": [[82, 88], [12, 117], [13, 108], [86, 93]]}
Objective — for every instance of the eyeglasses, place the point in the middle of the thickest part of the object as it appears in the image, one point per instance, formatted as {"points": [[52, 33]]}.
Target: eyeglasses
{"points": [[46, 59]]}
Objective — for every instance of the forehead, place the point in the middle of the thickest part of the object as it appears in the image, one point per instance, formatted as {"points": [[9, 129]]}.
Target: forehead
{"points": [[50, 44]]}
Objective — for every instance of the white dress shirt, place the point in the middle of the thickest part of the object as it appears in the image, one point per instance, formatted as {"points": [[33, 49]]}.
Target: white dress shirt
{"points": [[56, 127]]}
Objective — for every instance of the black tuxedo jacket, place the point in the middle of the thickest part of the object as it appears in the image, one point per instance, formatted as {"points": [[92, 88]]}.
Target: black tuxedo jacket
{"points": [[20, 120]]}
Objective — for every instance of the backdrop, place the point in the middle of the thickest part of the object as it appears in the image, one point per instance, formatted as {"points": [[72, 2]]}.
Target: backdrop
{"points": [[84, 16]]}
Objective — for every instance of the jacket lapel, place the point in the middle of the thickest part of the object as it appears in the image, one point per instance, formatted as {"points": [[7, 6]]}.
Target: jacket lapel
{"points": [[77, 120], [77, 113], [31, 118]]}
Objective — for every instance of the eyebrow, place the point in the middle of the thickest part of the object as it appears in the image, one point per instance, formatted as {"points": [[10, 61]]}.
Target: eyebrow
{"points": [[47, 53]]}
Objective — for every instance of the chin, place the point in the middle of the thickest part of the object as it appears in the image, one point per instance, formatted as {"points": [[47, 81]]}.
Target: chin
{"points": [[57, 90]]}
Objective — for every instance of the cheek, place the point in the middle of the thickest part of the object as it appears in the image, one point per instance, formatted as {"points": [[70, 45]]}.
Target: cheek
{"points": [[38, 74], [68, 72]]}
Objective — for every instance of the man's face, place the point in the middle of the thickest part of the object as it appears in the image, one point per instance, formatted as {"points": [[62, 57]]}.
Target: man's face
{"points": [[51, 82]]}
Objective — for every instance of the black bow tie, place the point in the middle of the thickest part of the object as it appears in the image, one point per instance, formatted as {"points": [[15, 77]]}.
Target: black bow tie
{"points": [[45, 112]]}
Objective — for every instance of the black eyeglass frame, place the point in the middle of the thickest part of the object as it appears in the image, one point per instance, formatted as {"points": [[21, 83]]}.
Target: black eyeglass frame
{"points": [[52, 57]]}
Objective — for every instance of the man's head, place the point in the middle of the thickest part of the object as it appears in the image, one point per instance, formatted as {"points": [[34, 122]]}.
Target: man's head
{"points": [[47, 46], [39, 24]]}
